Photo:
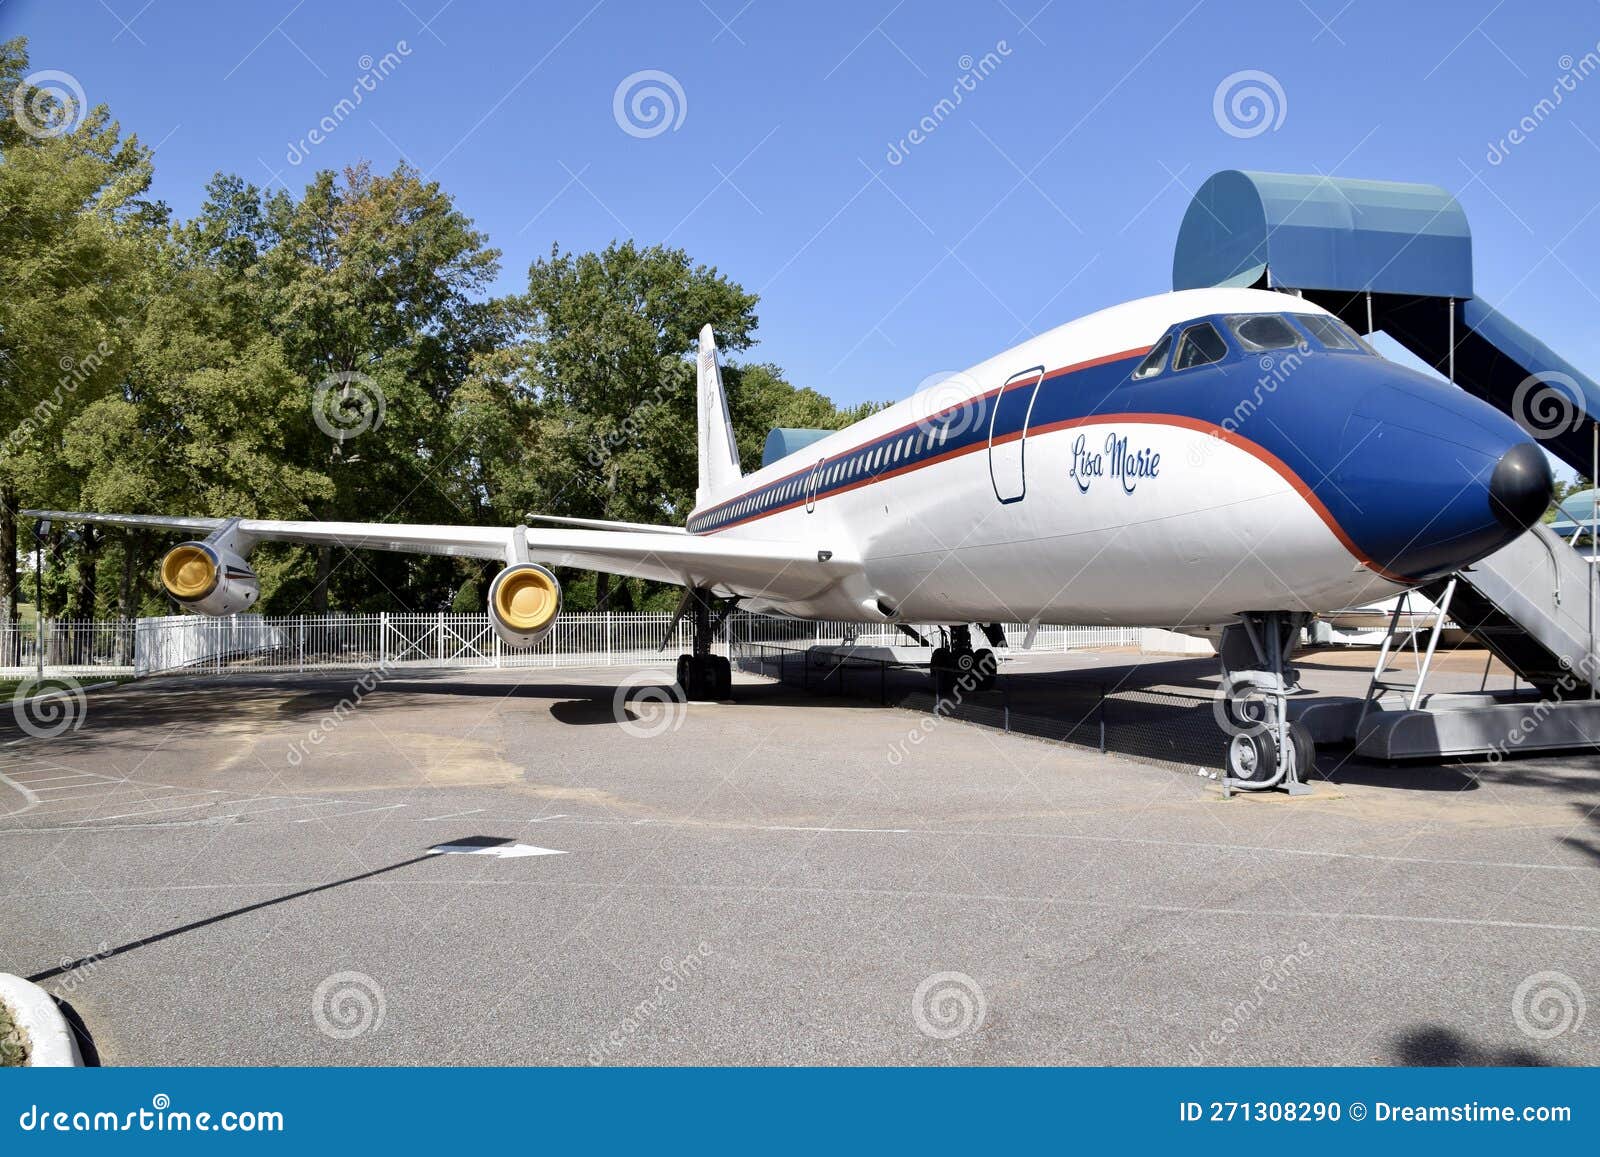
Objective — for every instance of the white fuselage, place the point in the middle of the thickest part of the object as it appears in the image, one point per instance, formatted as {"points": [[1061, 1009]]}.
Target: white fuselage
{"points": [[1175, 526]]}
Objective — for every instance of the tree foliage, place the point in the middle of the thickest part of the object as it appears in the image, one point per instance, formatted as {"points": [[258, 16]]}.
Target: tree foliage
{"points": [[332, 353]]}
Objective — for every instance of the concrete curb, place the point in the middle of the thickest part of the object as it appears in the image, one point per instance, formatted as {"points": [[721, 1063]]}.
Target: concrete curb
{"points": [[50, 1038]]}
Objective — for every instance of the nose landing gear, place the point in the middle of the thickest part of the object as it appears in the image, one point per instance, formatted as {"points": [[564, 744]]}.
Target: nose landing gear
{"points": [[1265, 748]]}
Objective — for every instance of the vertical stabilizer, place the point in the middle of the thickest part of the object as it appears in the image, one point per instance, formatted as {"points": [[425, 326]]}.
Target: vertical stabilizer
{"points": [[719, 458]]}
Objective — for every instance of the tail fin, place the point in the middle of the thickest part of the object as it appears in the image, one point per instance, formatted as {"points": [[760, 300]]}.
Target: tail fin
{"points": [[719, 455]]}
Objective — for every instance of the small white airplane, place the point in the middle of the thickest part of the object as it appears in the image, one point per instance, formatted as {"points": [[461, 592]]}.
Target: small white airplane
{"points": [[1215, 457]]}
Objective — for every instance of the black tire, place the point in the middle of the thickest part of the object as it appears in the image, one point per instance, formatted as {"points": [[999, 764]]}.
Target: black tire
{"points": [[987, 666], [1252, 757], [1305, 751], [700, 683], [684, 662], [723, 682]]}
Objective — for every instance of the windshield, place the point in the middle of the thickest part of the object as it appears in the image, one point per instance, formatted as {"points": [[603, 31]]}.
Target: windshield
{"points": [[1263, 331]]}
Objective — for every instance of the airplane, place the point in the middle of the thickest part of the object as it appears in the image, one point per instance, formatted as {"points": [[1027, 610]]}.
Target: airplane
{"points": [[1211, 458]]}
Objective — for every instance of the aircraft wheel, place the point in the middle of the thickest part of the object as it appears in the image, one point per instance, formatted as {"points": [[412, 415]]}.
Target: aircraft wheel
{"points": [[1252, 758], [1303, 751], [987, 667], [684, 662], [722, 681]]}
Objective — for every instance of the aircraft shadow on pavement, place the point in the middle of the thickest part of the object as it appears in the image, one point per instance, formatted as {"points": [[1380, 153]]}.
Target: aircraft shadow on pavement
{"points": [[1436, 1045]]}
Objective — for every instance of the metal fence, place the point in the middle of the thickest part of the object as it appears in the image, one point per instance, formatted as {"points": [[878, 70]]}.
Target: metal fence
{"points": [[340, 642], [69, 646]]}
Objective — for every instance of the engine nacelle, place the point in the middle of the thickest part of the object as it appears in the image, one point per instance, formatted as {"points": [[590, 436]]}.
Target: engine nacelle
{"points": [[524, 600], [209, 579]]}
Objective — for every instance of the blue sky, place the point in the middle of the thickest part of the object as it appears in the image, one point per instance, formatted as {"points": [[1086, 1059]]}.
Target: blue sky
{"points": [[1055, 188]]}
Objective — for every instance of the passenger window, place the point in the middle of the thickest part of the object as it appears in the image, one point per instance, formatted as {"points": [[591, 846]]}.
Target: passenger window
{"points": [[1327, 330], [1155, 360], [1263, 331], [1200, 345]]}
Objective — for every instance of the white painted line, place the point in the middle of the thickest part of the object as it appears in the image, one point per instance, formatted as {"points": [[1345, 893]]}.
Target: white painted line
{"points": [[850, 831], [96, 790], [501, 851], [80, 775], [453, 815], [288, 807], [150, 812], [30, 801], [342, 815]]}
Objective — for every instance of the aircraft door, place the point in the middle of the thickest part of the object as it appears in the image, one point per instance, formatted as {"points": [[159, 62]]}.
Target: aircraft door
{"points": [[1008, 434], [811, 486]]}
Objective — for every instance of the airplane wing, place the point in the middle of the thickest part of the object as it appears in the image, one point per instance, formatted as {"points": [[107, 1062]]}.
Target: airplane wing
{"points": [[752, 568], [605, 524]]}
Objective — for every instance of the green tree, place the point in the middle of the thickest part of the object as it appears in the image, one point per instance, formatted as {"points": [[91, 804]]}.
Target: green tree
{"points": [[75, 229]]}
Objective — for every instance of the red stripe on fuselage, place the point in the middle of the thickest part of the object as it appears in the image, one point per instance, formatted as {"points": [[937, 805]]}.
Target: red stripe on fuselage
{"points": [[1257, 451]]}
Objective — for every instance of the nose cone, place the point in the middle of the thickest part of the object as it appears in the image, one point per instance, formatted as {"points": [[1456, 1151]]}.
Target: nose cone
{"points": [[1431, 479], [1520, 487]]}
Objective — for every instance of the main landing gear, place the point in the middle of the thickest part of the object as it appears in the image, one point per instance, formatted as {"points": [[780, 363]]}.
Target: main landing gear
{"points": [[1265, 749], [702, 675], [958, 668]]}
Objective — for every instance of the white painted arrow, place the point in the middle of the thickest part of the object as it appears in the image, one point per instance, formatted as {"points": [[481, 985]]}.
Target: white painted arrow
{"points": [[502, 851]]}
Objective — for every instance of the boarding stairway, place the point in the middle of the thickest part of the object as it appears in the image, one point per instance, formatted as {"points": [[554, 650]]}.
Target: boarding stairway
{"points": [[1529, 605], [1398, 258]]}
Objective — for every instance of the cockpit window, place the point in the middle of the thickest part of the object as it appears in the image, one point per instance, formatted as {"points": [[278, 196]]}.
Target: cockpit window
{"points": [[1155, 360], [1200, 345], [1328, 330], [1263, 331]]}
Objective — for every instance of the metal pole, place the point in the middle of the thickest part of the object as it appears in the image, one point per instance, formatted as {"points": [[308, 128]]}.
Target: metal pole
{"points": [[1369, 311], [1440, 610], [1452, 341], [38, 597]]}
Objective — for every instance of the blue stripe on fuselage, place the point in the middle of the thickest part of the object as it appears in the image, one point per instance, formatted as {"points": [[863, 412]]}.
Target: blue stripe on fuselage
{"points": [[1399, 461]]}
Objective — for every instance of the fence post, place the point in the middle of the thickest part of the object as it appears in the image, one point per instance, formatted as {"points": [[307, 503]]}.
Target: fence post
{"points": [[609, 659], [438, 647]]}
